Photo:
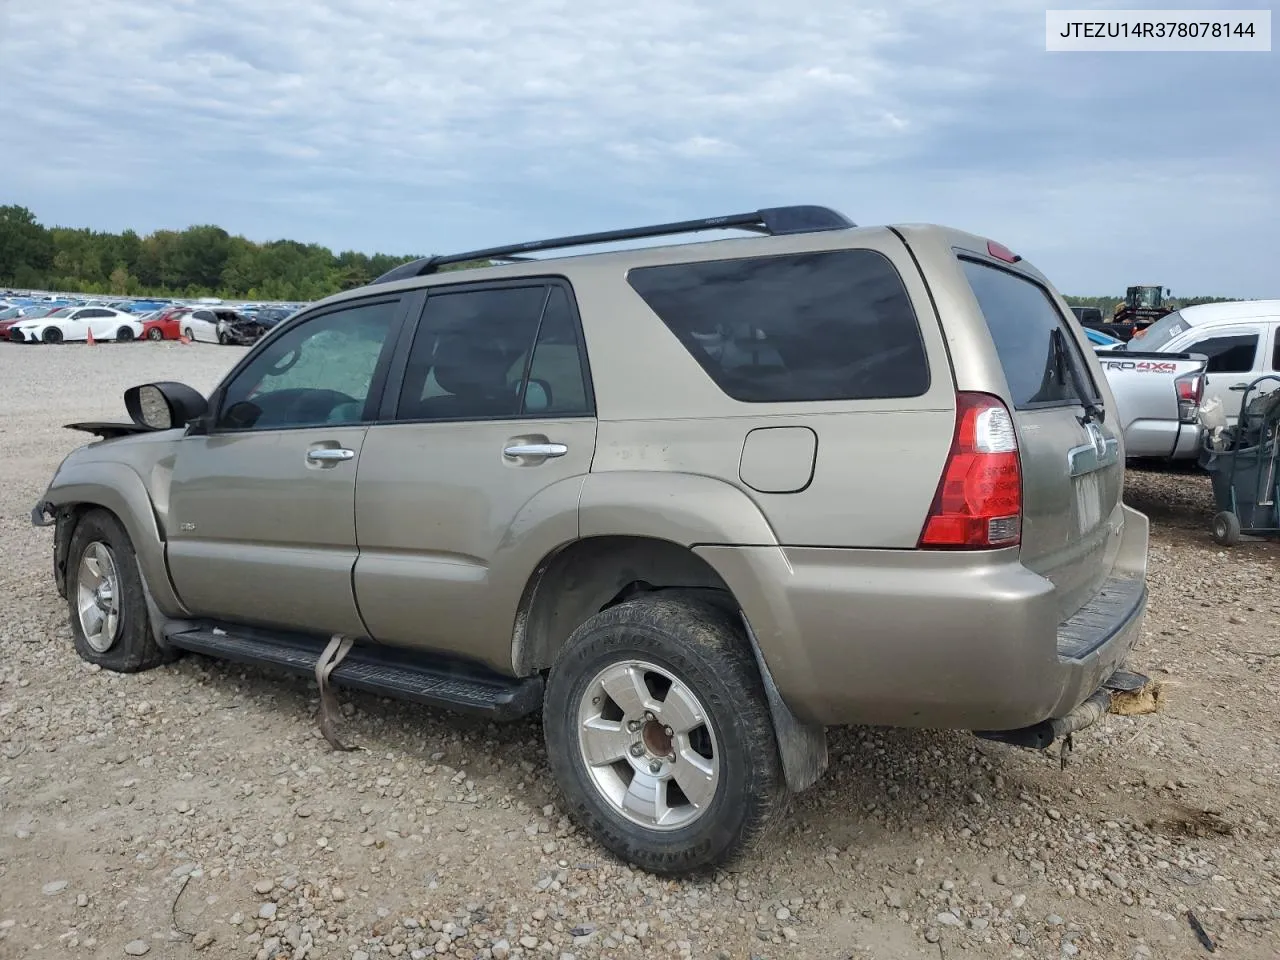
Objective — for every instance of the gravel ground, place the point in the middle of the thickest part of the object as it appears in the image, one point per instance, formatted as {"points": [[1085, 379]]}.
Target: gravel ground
{"points": [[193, 811]]}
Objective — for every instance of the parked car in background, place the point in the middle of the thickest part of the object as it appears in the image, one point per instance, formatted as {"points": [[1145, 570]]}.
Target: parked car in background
{"points": [[1241, 340], [75, 323], [241, 330], [1088, 315], [12, 311], [1158, 399], [211, 324], [270, 316], [148, 306], [1102, 341], [165, 324], [32, 313]]}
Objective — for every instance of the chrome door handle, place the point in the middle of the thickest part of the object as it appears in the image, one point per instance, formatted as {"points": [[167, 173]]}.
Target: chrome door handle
{"points": [[1239, 386], [330, 454], [536, 450]]}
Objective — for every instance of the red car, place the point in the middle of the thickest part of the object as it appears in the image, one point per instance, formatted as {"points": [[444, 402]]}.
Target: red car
{"points": [[34, 313], [165, 325]]}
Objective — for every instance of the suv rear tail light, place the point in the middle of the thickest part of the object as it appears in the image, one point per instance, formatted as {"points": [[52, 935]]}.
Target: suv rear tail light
{"points": [[979, 500], [1190, 387]]}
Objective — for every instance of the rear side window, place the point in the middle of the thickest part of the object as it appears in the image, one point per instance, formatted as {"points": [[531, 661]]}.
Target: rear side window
{"points": [[1023, 320], [1230, 354], [832, 325]]}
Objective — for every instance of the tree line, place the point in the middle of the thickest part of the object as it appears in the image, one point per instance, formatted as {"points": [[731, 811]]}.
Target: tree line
{"points": [[199, 261], [206, 261]]}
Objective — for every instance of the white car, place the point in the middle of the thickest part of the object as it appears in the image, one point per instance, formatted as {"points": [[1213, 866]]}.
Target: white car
{"points": [[75, 323], [1241, 339], [207, 324]]}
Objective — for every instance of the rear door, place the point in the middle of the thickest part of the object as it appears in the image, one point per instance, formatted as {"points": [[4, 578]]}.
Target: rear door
{"points": [[475, 470], [1072, 471], [1234, 361]]}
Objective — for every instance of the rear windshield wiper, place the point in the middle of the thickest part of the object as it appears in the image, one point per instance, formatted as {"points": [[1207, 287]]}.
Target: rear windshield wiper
{"points": [[1063, 358]]}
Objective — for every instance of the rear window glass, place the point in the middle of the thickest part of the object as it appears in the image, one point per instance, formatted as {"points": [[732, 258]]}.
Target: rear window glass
{"points": [[832, 325], [1161, 332], [1022, 320]]}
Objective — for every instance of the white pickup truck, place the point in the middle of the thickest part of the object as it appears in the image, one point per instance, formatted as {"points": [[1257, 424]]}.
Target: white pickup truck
{"points": [[1157, 398]]}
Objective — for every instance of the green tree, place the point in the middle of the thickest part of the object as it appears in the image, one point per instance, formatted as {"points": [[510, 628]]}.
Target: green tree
{"points": [[24, 243], [120, 279]]}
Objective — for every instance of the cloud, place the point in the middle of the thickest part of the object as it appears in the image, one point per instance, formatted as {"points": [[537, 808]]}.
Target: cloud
{"points": [[408, 127]]}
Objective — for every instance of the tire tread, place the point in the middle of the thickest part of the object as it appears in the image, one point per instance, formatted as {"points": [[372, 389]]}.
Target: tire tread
{"points": [[708, 637]]}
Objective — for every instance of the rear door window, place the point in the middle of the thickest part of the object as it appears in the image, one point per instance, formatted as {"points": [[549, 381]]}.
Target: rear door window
{"points": [[830, 325], [1036, 348], [1234, 353]]}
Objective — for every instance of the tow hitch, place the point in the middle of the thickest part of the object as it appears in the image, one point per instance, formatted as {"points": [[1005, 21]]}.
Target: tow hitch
{"points": [[1042, 735]]}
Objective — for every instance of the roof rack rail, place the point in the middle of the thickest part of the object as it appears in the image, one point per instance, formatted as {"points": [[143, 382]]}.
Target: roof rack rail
{"points": [[773, 221]]}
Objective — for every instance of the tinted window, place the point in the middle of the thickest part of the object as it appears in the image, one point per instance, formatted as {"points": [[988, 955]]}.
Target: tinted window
{"points": [[320, 372], [1231, 354], [469, 354], [816, 326], [557, 368], [1275, 351], [1023, 319]]}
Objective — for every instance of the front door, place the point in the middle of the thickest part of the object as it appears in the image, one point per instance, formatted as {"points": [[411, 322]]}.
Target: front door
{"points": [[478, 477], [262, 506], [1233, 362]]}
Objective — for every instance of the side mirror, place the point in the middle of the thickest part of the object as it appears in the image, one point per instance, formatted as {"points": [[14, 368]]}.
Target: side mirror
{"points": [[162, 406]]}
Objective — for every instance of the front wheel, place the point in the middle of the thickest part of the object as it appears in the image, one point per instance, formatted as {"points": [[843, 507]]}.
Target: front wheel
{"points": [[1226, 529], [659, 735], [109, 621], [51, 335]]}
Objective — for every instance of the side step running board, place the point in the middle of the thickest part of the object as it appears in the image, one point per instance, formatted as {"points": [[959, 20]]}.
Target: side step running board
{"points": [[386, 671]]}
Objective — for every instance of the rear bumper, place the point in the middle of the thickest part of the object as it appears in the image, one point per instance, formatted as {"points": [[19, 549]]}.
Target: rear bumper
{"points": [[1162, 439], [923, 639]]}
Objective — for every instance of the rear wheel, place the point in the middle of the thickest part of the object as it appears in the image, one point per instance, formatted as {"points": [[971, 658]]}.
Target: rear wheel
{"points": [[109, 621], [124, 335], [51, 335], [1226, 529], [155, 333], [187, 333], [659, 735]]}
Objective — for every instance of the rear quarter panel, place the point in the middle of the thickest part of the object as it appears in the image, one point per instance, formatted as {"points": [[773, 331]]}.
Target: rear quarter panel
{"points": [[877, 462]]}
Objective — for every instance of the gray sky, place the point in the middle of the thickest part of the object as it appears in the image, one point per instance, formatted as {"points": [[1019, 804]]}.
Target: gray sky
{"points": [[402, 126]]}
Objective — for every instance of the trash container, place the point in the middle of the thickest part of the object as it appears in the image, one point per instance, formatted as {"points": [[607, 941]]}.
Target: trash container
{"points": [[1245, 480]]}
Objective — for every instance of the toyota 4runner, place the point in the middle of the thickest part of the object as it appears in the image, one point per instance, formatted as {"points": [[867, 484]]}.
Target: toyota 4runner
{"points": [[693, 502]]}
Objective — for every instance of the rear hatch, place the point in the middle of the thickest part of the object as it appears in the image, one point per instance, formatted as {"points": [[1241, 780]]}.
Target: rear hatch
{"points": [[1072, 470]]}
